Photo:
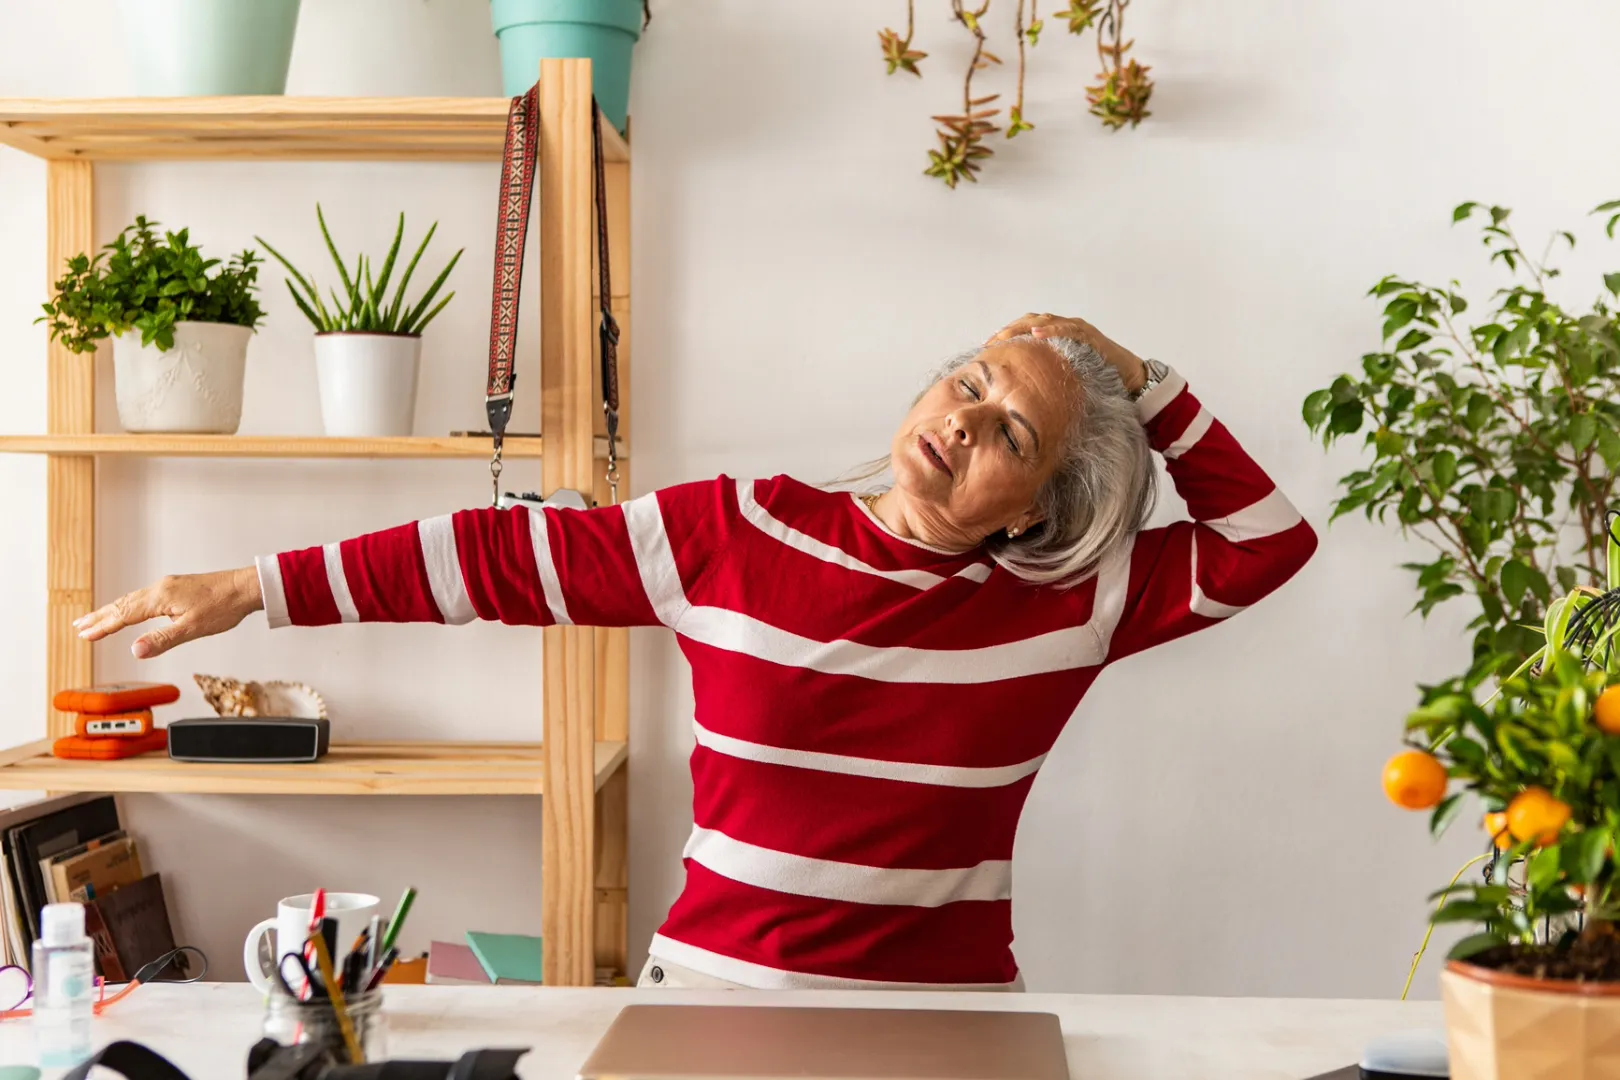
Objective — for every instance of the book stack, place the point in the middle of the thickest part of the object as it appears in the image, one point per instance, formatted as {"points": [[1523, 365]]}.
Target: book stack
{"points": [[75, 849], [493, 959]]}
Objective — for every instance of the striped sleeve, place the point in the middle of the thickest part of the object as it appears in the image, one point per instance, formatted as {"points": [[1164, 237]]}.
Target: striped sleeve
{"points": [[548, 567], [1244, 541]]}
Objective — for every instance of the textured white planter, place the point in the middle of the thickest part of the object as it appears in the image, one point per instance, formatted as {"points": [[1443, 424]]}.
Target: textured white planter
{"points": [[368, 383], [194, 387]]}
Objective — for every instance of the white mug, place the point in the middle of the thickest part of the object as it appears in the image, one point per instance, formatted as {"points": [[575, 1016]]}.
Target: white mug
{"points": [[353, 912]]}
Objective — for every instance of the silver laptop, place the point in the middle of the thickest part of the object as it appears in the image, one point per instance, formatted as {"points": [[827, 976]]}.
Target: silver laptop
{"points": [[767, 1042]]}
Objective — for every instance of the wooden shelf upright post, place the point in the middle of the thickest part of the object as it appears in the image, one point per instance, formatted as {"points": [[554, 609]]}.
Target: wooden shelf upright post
{"points": [[70, 482], [568, 409]]}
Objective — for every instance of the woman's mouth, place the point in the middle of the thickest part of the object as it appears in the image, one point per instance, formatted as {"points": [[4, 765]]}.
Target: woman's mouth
{"points": [[934, 453]]}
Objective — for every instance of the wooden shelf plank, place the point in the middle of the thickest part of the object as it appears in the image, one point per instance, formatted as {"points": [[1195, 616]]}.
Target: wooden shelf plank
{"points": [[268, 446], [265, 128], [367, 768]]}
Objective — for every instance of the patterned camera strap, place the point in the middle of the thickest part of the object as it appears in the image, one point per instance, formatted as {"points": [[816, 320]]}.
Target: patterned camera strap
{"points": [[518, 163]]}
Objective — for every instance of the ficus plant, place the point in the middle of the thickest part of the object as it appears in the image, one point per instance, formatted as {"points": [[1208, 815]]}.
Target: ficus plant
{"points": [[364, 307], [1493, 434], [1541, 757], [1119, 97], [148, 281]]}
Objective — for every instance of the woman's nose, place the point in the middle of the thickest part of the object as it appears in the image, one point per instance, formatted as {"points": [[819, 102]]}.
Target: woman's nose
{"points": [[959, 427]]}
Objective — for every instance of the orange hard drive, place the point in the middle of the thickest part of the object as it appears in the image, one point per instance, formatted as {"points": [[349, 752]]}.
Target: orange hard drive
{"points": [[123, 725], [116, 697], [79, 748]]}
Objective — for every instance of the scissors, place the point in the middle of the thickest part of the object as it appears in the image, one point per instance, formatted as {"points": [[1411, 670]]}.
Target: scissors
{"points": [[310, 978]]}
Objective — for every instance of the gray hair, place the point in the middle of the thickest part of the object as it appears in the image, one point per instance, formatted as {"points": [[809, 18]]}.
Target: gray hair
{"points": [[1103, 488]]}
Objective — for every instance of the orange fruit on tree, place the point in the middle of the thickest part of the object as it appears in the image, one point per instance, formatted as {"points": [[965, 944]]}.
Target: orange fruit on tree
{"points": [[1496, 826], [1536, 815], [1414, 780], [1606, 713]]}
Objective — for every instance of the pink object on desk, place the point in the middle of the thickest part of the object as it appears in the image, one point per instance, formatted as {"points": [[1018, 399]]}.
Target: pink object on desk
{"points": [[450, 964]]}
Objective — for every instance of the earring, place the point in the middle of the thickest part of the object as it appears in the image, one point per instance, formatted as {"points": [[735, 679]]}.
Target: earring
{"points": [[1012, 531]]}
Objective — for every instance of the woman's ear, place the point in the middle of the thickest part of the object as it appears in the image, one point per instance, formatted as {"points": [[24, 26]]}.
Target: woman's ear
{"points": [[1025, 522]]}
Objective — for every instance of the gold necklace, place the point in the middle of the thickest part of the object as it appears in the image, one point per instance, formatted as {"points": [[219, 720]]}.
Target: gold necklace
{"points": [[870, 498]]}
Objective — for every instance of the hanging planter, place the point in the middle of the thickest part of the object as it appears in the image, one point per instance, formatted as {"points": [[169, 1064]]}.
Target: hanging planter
{"points": [[368, 347], [604, 31], [207, 48]]}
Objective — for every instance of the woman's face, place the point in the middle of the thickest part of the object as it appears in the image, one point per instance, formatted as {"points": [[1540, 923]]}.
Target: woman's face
{"points": [[975, 449]]}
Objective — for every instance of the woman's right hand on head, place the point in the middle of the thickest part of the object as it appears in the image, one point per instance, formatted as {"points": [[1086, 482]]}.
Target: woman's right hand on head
{"points": [[196, 605]]}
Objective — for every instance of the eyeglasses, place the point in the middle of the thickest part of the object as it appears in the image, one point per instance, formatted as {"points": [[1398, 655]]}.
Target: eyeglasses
{"points": [[17, 985]]}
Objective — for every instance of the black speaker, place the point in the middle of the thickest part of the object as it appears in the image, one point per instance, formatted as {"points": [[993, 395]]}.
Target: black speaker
{"points": [[249, 739]]}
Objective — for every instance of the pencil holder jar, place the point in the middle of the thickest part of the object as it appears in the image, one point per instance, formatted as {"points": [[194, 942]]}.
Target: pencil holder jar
{"points": [[291, 1023]]}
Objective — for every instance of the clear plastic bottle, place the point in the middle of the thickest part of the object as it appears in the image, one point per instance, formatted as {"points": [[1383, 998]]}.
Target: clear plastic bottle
{"points": [[64, 987]]}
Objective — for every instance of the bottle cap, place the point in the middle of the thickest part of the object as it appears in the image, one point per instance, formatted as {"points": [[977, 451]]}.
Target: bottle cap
{"points": [[61, 924]]}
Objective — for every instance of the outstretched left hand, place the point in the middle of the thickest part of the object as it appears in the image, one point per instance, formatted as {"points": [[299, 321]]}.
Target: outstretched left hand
{"points": [[1127, 363]]}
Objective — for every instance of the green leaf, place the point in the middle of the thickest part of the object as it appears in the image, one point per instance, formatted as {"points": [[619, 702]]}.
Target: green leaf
{"points": [[1444, 815], [1612, 283], [1516, 581], [1467, 910], [1444, 469], [1345, 419], [1462, 212], [1608, 444], [1592, 851], [1582, 430], [1543, 869], [1411, 340], [1316, 408]]}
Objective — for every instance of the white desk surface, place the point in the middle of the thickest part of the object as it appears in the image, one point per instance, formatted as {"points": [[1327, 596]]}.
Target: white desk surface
{"points": [[207, 1029]]}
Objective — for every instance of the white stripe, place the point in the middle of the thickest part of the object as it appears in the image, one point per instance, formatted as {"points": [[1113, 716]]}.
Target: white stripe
{"points": [[655, 561], [438, 539], [339, 583], [272, 591], [1268, 517], [763, 520], [958, 776], [800, 875], [550, 584], [1108, 602], [1189, 438], [760, 977], [1153, 402], [1059, 650], [1200, 603]]}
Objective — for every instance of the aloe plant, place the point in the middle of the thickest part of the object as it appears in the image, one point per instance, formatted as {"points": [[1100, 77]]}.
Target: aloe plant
{"points": [[363, 307]]}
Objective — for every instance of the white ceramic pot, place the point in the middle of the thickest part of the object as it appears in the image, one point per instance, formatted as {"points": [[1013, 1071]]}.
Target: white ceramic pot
{"points": [[368, 383], [194, 387]]}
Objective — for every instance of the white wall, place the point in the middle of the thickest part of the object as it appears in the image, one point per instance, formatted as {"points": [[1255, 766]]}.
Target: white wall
{"points": [[1211, 823]]}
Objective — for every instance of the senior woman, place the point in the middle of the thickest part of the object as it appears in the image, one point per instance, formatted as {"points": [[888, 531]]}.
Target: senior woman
{"points": [[877, 677]]}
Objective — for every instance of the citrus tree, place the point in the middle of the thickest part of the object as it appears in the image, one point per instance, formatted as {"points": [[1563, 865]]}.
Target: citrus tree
{"points": [[1541, 757], [1492, 432]]}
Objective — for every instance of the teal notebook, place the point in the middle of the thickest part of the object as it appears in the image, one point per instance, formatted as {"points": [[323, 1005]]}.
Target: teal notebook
{"points": [[507, 958]]}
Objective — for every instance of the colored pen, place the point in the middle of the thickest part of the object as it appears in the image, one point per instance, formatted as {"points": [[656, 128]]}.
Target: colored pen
{"points": [[383, 965], [317, 911], [372, 938], [329, 927], [391, 935]]}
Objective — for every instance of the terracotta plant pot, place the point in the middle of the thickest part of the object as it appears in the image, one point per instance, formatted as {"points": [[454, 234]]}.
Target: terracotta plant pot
{"points": [[1501, 1026]]}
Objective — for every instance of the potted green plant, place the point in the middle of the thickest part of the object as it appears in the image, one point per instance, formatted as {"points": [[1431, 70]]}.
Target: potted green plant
{"points": [[1535, 991], [179, 324], [192, 48], [368, 347], [605, 31]]}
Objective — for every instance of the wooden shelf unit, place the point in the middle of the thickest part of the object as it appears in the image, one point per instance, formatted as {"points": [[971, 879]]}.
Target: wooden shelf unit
{"points": [[582, 703]]}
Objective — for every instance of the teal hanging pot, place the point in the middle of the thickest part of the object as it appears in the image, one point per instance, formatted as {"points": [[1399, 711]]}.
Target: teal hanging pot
{"points": [[603, 30], [205, 48]]}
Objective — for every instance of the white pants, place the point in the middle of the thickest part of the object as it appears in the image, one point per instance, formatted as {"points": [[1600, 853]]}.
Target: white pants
{"points": [[663, 975]]}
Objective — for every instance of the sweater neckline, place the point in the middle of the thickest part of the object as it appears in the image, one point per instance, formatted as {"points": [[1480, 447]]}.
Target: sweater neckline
{"points": [[877, 522]]}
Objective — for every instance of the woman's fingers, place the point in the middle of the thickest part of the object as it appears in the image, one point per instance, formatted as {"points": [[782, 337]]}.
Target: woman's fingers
{"points": [[127, 610], [159, 641]]}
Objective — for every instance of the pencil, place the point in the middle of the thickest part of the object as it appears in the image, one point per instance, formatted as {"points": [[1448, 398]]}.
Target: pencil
{"points": [[398, 920], [340, 1008]]}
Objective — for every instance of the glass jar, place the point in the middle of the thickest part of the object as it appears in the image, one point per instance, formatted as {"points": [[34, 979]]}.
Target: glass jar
{"points": [[290, 1023]]}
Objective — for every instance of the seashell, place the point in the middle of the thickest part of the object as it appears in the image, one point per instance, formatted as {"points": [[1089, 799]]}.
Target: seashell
{"points": [[233, 697]]}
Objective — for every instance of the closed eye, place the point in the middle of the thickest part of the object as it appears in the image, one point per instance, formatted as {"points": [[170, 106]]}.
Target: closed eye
{"points": [[972, 392], [1006, 433]]}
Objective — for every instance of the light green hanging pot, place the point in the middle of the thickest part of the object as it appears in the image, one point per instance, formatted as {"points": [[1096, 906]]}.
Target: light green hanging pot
{"points": [[207, 48], [603, 30]]}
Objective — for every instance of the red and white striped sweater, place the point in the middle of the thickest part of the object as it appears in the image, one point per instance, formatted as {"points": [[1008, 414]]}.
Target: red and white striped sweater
{"points": [[870, 712]]}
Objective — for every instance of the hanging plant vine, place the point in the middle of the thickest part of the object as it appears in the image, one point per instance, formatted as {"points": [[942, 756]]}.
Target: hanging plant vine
{"points": [[1120, 96]]}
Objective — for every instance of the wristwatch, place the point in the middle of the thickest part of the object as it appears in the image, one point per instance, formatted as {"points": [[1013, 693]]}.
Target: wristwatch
{"points": [[1156, 371]]}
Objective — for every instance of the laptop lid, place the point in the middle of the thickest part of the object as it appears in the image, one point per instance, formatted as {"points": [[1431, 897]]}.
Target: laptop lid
{"points": [[741, 1042]]}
